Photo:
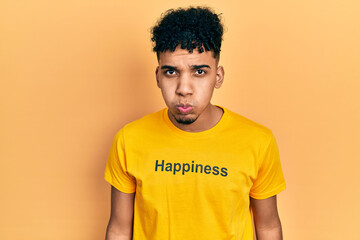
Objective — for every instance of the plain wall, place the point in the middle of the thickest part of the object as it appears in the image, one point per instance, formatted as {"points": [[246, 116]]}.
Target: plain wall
{"points": [[72, 73]]}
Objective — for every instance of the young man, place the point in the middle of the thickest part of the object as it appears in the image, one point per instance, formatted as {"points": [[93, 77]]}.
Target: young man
{"points": [[193, 170]]}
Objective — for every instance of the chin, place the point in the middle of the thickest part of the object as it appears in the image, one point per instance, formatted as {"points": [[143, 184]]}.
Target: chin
{"points": [[185, 119]]}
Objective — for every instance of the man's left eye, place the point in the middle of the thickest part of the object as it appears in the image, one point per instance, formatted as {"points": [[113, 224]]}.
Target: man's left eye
{"points": [[200, 71]]}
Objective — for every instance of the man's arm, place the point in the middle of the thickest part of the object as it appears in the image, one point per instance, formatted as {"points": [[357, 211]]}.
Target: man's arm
{"points": [[266, 219], [120, 225]]}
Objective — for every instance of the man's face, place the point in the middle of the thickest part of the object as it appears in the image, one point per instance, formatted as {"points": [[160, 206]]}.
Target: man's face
{"points": [[187, 81]]}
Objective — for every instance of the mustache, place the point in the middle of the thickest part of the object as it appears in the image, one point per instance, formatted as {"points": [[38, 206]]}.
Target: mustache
{"points": [[184, 105]]}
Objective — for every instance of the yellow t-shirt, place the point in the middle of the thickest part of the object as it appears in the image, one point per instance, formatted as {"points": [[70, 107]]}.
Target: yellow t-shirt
{"points": [[194, 185]]}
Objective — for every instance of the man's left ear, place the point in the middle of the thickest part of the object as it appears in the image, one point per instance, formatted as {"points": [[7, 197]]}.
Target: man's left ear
{"points": [[219, 76]]}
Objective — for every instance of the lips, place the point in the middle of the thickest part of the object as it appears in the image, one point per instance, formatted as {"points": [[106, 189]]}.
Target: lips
{"points": [[184, 108]]}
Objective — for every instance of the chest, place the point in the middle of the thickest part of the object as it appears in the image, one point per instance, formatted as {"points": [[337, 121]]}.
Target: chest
{"points": [[205, 169]]}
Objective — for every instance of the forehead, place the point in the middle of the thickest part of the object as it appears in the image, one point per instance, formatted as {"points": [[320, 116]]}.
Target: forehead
{"points": [[182, 58]]}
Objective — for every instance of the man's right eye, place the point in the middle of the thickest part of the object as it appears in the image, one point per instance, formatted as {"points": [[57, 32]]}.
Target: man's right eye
{"points": [[169, 72]]}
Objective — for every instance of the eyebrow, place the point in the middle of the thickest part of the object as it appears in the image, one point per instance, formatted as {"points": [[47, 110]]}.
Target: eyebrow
{"points": [[192, 66], [169, 67], [200, 66]]}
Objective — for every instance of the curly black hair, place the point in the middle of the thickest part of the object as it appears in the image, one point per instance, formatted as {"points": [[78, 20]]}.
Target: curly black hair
{"points": [[191, 28]]}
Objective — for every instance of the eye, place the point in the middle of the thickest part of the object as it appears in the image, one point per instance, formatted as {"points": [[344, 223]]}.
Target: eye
{"points": [[200, 72], [170, 72]]}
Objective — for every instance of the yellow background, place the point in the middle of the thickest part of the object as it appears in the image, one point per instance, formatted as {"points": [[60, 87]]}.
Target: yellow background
{"points": [[74, 72]]}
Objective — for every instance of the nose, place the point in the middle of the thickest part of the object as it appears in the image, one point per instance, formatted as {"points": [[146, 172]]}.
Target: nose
{"points": [[184, 86]]}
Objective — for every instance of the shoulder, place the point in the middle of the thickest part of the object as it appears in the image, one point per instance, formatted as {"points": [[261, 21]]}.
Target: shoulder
{"points": [[248, 128], [148, 123]]}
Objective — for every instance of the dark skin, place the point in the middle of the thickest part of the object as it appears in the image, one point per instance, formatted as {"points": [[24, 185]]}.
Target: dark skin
{"points": [[266, 219], [120, 225], [190, 79]]}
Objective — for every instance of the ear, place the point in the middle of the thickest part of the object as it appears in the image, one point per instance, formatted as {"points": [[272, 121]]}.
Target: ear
{"points": [[219, 76], [156, 75]]}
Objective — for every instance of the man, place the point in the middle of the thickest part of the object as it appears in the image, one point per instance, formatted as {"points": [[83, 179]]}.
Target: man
{"points": [[193, 170]]}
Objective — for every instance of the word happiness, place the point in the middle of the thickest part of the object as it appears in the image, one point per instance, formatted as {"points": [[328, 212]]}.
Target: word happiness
{"points": [[186, 167]]}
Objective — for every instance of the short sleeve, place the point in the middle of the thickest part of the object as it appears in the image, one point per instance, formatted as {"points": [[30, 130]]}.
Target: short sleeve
{"points": [[270, 179], [116, 168]]}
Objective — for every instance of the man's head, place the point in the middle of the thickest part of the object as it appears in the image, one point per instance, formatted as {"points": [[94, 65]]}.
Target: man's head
{"points": [[192, 28], [187, 43]]}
